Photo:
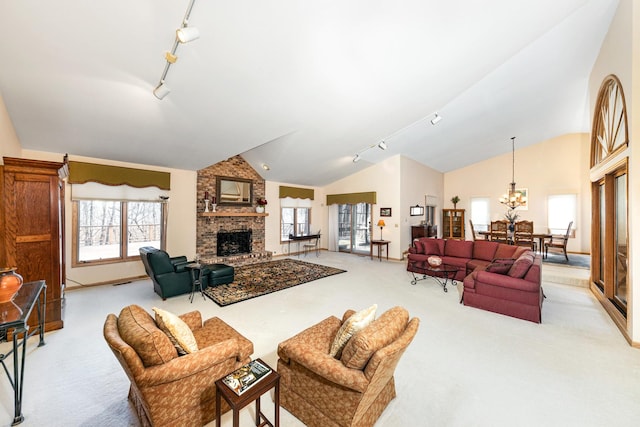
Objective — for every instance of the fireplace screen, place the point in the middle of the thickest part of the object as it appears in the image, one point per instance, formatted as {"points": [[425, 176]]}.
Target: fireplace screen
{"points": [[234, 242]]}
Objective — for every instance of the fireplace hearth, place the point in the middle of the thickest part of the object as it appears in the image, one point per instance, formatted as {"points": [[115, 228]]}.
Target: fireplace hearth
{"points": [[233, 242]]}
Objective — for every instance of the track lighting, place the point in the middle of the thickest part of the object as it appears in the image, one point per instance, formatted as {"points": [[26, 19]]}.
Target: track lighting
{"points": [[187, 34], [184, 34], [436, 119], [382, 145], [356, 158], [161, 90]]}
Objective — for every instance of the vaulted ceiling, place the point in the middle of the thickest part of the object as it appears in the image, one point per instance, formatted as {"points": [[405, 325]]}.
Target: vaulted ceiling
{"points": [[301, 86]]}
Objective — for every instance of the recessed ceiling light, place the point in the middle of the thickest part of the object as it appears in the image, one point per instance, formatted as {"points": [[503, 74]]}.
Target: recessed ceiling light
{"points": [[265, 167]]}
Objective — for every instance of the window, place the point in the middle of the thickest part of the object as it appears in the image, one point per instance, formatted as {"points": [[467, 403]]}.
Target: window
{"points": [[562, 210], [294, 221], [480, 213], [113, 231]]}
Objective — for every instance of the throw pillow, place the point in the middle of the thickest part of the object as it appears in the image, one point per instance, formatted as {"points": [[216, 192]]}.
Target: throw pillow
{"points": [[419, 246], [519, 268], [177, 331], [352, 325], [498, 268]]}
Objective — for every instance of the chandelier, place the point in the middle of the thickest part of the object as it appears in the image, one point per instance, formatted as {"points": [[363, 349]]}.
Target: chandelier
{"points": [[513, 198]]}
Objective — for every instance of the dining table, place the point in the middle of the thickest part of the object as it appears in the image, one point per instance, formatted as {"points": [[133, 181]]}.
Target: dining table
{"points": [[540, 236]]}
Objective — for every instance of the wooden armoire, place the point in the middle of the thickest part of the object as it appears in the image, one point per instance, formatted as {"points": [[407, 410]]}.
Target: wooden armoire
{"points": [[32, 228]]}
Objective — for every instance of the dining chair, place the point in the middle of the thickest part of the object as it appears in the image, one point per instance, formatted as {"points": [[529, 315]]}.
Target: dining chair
{"points": [[523, 234], [559, 243], [499, 231], [473, 231]]}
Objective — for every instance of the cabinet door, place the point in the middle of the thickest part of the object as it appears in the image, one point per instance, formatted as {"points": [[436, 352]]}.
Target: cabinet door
{"points": [[32, 235]]}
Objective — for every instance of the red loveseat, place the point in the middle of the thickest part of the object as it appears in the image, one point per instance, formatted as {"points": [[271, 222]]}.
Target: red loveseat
{"points": [[502, 278]]}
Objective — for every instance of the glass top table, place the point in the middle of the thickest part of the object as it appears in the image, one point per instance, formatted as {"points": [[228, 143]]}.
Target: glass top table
{"points": [[14, 317]]}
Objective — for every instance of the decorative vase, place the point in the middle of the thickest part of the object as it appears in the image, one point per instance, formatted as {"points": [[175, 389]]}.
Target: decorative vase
{"points": [[434, 261], [511, 227], [260, 209], [10, 283]]}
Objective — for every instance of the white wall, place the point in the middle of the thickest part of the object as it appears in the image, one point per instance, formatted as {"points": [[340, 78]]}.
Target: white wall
{"points": [[181, 223], [416, 182], [556, 166], [9, 143]]}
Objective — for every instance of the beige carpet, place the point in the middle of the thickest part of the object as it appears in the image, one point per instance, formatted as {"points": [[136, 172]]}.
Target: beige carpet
{"points": [[466, 367]]}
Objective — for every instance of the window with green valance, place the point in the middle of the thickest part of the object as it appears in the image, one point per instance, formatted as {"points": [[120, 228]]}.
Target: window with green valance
{"points": [[296, 192], [80, 173], [352, 198]]}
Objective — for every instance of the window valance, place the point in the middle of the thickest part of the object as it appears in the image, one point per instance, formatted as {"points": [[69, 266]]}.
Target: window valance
{"points": [[352, 198], [80, 173], [296, 192]]}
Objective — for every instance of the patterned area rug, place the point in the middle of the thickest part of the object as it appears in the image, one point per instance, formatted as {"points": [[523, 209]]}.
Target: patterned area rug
{"points": [[254, 280]]}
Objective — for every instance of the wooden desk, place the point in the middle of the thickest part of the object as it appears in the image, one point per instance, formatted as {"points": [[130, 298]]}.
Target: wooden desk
{"points": [[379, 244], [253, 394], [298, 239]]}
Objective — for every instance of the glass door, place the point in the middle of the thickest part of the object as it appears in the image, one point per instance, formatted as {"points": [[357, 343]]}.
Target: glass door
{"points": [[354, 228]]}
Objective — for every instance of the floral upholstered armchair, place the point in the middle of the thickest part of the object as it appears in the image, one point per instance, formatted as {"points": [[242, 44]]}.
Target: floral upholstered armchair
{"points": [[168, 389], [354, 389]]}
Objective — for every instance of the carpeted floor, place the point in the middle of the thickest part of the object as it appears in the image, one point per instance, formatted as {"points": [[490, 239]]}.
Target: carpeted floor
{"points": [[575, 260], [266, 277]]}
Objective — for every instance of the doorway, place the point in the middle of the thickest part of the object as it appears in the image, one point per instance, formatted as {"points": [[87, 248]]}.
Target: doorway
{"points": [[354, 228]]}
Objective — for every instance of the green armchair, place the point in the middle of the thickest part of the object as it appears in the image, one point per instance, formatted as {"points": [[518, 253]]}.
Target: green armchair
{"points": [[169, 275]]}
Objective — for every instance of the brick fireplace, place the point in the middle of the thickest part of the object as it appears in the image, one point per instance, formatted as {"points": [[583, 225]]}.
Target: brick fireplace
{"points": [[230, 220]]}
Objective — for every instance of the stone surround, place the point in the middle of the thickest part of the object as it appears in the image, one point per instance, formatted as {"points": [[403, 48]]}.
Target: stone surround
{"points": [[208, 227]]}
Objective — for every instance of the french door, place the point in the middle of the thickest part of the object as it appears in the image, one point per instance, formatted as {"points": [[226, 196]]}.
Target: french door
{"points": [[354, 228], [611, 238]]}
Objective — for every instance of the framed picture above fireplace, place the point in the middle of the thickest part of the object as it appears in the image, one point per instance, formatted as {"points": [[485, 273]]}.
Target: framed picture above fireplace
{"points": [[234, 191]]}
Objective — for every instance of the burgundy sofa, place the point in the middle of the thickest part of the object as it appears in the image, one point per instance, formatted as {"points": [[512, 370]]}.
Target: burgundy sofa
{"points": [[497, 277]]}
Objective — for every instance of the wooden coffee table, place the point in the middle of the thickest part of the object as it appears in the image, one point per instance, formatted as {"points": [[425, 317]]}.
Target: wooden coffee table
{"points": [[237, 402], [443, 273]]}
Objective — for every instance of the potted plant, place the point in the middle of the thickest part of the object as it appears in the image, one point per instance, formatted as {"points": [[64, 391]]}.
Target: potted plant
{"points": [[455, 200], [262, 202], [511, 216]]}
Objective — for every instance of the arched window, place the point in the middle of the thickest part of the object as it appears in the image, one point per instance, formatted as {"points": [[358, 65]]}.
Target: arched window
{"points": [[609, 173]]}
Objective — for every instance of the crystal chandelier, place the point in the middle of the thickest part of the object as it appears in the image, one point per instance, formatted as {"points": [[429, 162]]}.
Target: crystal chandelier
{"points": [[514, 198]]}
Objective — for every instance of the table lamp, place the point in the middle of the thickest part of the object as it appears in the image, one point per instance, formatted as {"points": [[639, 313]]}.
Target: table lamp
{"points": [[381, 224]]}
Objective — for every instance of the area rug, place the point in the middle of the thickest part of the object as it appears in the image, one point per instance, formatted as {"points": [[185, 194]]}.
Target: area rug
{"points": [[575, 260], [254, 280]]}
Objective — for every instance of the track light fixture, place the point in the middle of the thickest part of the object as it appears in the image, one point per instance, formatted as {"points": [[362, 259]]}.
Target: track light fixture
{"points": [[436, 119], [161, 90], [184, 34], [382, 145], [187, 34], [356, 158]]}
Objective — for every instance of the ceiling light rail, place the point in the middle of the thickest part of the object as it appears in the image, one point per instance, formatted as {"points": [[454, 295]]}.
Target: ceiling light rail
{"points": [[435, 119], [184, 34]]}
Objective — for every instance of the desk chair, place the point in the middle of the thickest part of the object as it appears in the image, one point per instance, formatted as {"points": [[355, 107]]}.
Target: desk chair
{"points": [[312, 245]]}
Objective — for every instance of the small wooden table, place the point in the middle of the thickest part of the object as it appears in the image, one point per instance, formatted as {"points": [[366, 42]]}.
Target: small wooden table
{"points": [[379, 244], [237, 402]]}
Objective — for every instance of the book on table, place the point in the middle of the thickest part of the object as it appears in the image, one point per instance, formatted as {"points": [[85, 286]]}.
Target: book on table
{"points": [[243, 378]]}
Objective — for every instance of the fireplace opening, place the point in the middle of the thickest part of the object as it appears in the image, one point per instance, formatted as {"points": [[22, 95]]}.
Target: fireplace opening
{"points": [[234, 242]]}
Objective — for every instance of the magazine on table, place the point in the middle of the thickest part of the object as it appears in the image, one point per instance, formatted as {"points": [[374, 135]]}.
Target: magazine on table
{"points": [[243, 378]]}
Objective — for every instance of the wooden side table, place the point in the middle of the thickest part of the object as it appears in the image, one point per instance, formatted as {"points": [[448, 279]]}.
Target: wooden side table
{"points": [[379, 244], [196, 279], [253, 394]]}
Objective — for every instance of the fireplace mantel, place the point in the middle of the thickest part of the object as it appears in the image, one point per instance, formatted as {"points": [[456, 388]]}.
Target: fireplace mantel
{"points": [[233, 214]]}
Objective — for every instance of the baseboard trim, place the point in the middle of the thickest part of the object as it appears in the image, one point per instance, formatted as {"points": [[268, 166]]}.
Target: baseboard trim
{"points": [[115, 282]]}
